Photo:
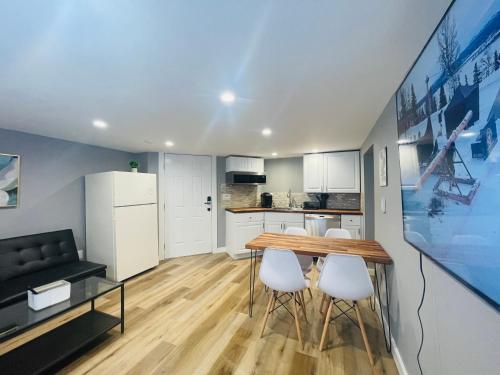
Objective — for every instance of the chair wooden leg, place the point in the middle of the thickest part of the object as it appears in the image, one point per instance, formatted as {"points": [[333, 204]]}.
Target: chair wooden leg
{"points": [[322, 303], [325, 326], [297, 325], [274, 302], [271, 298], [303, 304], [363, 333]]}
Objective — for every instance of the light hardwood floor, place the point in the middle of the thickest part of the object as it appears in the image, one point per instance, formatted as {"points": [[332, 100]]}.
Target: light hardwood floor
{"points": [[189, 316]]}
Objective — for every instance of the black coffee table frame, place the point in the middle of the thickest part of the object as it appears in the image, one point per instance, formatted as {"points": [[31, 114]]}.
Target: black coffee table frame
{"points": [[57, 345]]}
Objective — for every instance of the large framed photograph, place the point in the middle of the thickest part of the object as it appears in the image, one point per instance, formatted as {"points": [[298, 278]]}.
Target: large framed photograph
{"points": [[448, 110], [9, 180]]}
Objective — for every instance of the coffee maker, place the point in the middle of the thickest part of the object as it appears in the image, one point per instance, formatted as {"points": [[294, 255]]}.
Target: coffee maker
{"points": [[322, 198], [266, 200]]}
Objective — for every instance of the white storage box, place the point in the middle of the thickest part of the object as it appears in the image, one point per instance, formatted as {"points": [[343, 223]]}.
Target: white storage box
{"points": [[49, 294]]}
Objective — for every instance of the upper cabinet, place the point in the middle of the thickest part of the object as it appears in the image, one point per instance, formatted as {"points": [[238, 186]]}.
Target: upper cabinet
{"points": [[244, 164], [334, 172], [341, 172], [313, 173]]}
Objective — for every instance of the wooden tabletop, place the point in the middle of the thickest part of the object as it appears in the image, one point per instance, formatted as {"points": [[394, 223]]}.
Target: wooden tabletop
{"points": [[371, 251], [322, 211]]}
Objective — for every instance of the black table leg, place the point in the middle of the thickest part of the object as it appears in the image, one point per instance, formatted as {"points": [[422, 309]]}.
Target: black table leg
{"points": [[122, 292], [372, 299], [92, 304], [252, 281], [387, 337]]}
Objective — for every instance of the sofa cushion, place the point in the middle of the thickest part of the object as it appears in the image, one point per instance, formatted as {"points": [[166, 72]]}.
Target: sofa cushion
{"points": [[28, 254], [14, 290]]}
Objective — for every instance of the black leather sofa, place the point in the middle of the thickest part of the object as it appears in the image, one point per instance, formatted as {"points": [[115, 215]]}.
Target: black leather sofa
{"points": [[39, 259]]}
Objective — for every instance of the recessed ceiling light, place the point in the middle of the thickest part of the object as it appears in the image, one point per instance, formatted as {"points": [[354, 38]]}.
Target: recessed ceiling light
{"points": [[100, 124], [315, 151], [169, 143], [227, 97], [274, 154], [267, 131]]}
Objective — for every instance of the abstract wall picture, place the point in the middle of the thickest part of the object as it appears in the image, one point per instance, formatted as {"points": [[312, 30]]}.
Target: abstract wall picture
{"points": [[9, 180], [448, 118], [382, 166]]}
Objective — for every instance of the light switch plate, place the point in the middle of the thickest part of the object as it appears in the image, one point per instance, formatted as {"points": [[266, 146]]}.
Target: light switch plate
{"points": [[383, 205]]}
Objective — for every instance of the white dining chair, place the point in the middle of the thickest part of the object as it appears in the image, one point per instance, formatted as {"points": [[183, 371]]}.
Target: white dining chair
{"points": [[280, 271], [346, 277], [332, 233], [305, 261]]}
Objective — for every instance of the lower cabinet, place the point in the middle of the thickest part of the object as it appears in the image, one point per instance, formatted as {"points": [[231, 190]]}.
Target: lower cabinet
{"points": [[353, 224], [273, 227], [241, 229], [355, 232], [277, 222]]}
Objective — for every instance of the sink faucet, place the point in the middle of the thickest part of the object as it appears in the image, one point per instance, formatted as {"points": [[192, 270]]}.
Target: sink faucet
{"points": [[291, 202]]}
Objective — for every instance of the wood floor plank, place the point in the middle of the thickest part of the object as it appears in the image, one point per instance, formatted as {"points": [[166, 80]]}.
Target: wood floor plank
{"points": [[189, 316]]}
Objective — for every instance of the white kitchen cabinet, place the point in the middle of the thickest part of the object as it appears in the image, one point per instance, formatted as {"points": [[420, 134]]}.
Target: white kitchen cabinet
{"points": [[277, 222], [341, 172], [353, 224], [334, 172], [273, 227], [313, 173], [241, 228], [355, 232], [244, 164]]}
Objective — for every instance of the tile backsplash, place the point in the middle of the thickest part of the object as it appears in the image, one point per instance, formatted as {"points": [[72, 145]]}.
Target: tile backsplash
{"points": [[348, 201], [249, 196], [239, 196]]}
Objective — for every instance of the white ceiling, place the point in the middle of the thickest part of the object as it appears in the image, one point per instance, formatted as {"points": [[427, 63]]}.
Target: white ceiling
{"points": [[318, 72]]}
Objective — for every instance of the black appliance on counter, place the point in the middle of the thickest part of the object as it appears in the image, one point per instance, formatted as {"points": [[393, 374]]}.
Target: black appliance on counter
{"points": [[266, 200], [311, 205], [322, 199]]}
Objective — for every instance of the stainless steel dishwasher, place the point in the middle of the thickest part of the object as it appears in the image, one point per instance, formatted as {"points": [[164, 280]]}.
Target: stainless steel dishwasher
{"points": [[317, 225]]}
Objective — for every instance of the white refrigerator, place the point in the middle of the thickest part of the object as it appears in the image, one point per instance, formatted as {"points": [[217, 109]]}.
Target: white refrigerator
{"points": [[122, 222]]}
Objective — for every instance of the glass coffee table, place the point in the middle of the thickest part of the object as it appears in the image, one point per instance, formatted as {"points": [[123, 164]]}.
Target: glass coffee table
{"points": [[46, 351]]}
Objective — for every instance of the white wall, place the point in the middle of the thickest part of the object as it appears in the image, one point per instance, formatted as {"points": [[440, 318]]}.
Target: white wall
{"points": [[462, 332]]}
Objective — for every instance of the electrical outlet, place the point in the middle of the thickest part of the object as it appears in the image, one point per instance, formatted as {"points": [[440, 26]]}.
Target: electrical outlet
{"points": [[226, 197]]}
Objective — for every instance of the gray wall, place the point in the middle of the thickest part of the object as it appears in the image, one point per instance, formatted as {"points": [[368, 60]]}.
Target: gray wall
{"points": [[462, 332], [283, 174], [52, 183], [221, 211], [369, 182]]}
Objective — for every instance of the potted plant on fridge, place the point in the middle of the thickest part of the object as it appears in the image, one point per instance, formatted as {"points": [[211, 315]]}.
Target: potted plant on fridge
{"points": [[134, 164]]}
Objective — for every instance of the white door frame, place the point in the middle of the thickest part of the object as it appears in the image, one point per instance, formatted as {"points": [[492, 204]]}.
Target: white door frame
{"points": [[162, 203]]}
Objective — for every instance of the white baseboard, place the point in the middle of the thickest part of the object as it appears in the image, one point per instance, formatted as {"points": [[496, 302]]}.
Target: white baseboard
{"points": [[220, 250], [395, 351]]}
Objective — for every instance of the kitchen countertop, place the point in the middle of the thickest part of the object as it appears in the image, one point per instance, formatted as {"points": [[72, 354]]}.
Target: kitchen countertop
{"points": [[328, 211]]}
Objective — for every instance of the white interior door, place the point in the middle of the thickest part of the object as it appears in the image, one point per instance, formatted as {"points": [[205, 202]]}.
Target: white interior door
{"points": [[188, 219]]}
